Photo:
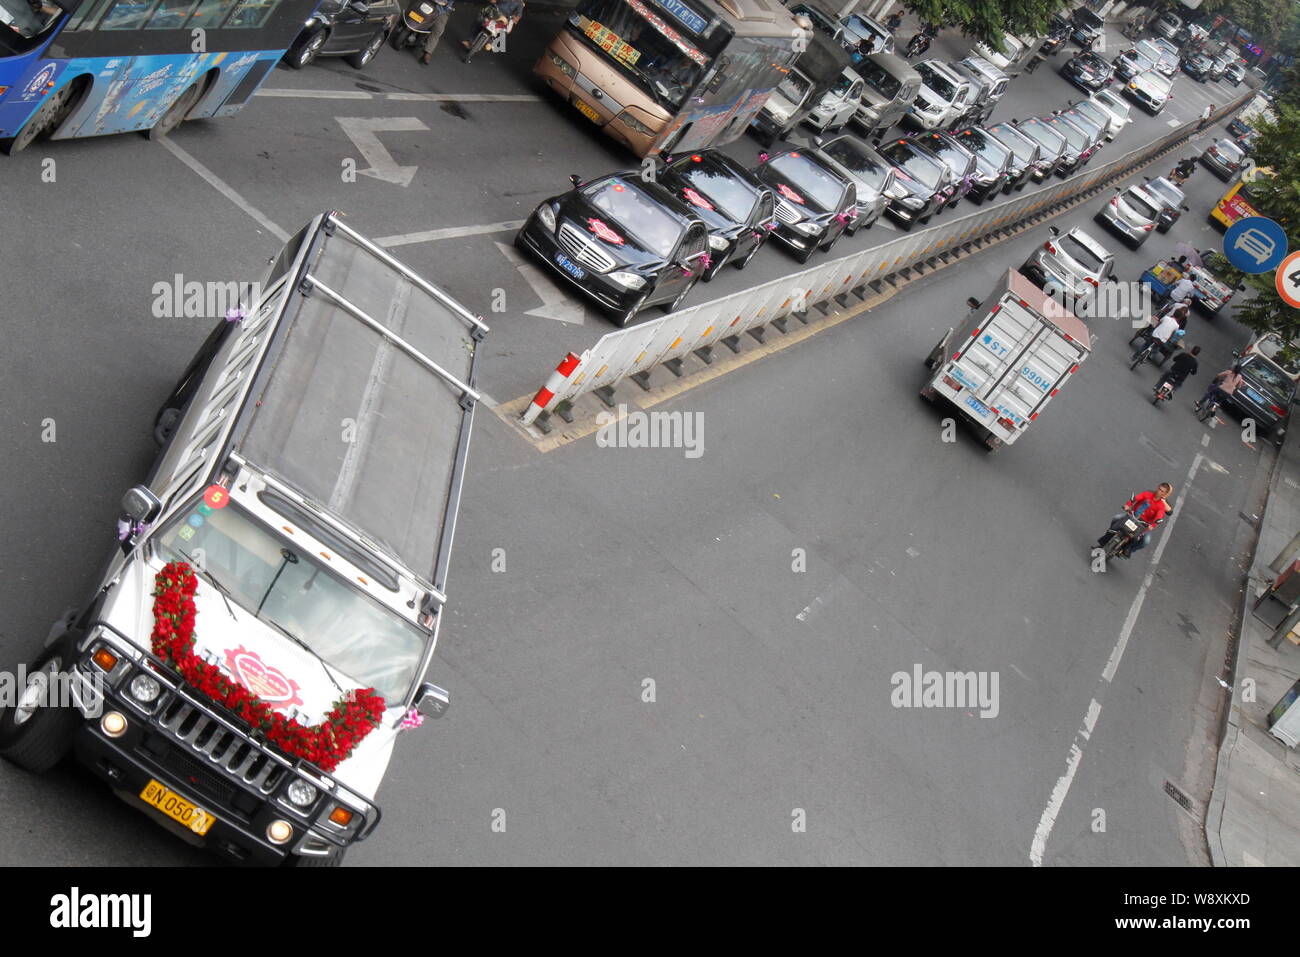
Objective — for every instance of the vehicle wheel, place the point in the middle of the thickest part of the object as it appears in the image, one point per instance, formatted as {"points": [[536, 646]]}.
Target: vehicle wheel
{"points": [[718, 263], [359, 60], [334, 860], [305, 50], [1205, 411], [681, 296], [45, 120], [479, 43], [1139, 359], [831, 245], [175, 113], [627, 315], [803, 255], [401, 33], [753, 251], [35, 735], [1155, 399], [1162, 229], [992, 443], [929, 394]]}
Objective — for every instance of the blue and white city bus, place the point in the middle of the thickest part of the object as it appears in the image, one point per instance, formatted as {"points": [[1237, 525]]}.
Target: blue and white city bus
{"points": [[72, 68]]}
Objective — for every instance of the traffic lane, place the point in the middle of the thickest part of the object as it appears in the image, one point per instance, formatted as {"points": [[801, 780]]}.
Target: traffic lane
{"points": [[773, 686]]}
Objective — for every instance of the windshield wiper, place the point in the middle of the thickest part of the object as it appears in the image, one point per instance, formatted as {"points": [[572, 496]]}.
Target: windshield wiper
{"points": [[214, 582], [308, 648]]}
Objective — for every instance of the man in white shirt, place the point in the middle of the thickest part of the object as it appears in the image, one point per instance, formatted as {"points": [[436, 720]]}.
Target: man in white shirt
{"points": [[1182, 290]]}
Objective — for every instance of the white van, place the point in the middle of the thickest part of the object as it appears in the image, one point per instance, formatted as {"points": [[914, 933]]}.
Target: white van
{"points": [[943, 97], [839, 104]]}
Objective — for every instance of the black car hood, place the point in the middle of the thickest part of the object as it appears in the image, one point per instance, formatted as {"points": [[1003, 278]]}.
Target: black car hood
{"points": [[575, 209], [776, 180], [714, 218]]}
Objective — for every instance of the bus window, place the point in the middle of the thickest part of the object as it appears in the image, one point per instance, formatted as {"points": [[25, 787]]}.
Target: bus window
{"points": [[170, 15], [210, 13], [23, 24], [127, 15], [251, 13], [87, 15]]}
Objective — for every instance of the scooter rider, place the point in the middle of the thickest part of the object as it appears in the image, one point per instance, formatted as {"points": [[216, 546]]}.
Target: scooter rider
{"points": [[1184, 365], [509, 10], [1162, 331], [1152, 507], [441, 14]]}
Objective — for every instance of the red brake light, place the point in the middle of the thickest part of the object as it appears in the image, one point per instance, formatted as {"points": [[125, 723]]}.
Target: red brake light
{"points": [[1114, 201], [1049, 247], [1092, 282], [1278, 410], [696, 158], [1149, 226]]}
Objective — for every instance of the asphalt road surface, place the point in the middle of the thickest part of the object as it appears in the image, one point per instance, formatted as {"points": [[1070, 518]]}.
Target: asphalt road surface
{"points": [[772, 687]]}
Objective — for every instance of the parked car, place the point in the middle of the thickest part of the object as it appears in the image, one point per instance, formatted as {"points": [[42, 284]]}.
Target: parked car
{"points": [[623, 242], [1058, 32], [994, 162], [1012, 52], [1223, 158], [1173, 199], [922, 183], [1113, 104], [1132, 62], [1072, 261], [871, 35], [870, 173], [959, 160], [1027, 160], [1086, 26], [889, 87], [1081, 138], [1237, 128], [1167, 25], [990, 84], [1150, 90], [1099, 115], [1132, 213], [814, 203], [1213, 290], [839, 104], [1265, 395], [942, 98], [1088, 71], [1198, 67], [352, 28], [1235, 73], [1091, 128], [1219, 65], [737, 208], [1055, 149]]}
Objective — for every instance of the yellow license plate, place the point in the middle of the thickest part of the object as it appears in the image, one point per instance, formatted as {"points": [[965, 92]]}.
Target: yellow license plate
{"points": [[416, 17], [587, 111], [177, 808]]}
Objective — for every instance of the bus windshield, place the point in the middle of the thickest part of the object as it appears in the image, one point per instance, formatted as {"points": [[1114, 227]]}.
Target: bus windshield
{"points": [[21, 21], [652, 53]]}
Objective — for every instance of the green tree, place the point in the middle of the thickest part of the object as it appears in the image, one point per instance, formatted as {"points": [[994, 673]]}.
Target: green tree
{"points": [[989, 20]]}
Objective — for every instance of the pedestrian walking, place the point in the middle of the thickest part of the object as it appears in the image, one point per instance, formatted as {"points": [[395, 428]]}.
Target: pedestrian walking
{"points": [[1205, 117], [438, 24]]}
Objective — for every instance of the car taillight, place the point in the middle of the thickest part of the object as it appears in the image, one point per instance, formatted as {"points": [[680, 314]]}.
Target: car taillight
{"points": [[952, 383], [1278, 410], [1050, 248], [1115, 201], [1092, 282], [1149, 226]]}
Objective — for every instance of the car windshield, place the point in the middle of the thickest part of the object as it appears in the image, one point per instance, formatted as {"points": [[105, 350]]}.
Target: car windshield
{"points": [[936, 82], [921, 169], [879, 79], [652, 53], [1080, 253], [1135, 202], [638, 214], [842, 84], [860, 29], [1166, 192], [1093, 112], [1013, 141], [1046, 137], [856, 159], [276, 581], [1086, 18], [794, 87], [1160, 83], [1094, 62], [728, 193], [1113, 103], [1141, 62], [1270, 378], [810, 178]]}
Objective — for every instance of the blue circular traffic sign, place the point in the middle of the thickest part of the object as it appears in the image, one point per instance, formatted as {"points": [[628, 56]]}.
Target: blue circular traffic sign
{"points": [[1255, 244]]}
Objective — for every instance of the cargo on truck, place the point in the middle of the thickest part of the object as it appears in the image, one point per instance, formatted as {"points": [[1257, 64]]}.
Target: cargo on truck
{"points": [[814, 77], [262, 632], [1008, 360]]}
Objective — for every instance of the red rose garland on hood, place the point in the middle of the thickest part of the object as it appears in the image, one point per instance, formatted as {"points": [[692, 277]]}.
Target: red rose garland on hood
{"points": [[325, 744]]}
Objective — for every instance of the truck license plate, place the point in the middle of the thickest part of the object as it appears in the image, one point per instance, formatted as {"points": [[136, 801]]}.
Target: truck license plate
{"points": [[587, 111], [978, 407], [569, 266], [177, 808]]}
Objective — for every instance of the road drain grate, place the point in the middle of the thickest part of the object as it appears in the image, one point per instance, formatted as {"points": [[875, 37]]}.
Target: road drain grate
{"points": [[1181, 799]]}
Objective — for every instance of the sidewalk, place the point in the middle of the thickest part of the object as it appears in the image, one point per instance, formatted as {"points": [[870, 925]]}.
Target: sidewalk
{"points": [[1254, 812]]}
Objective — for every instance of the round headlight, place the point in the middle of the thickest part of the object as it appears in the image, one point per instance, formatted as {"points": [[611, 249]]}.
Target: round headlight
{"points": [[301, 794], [718, 242], [279, 832], [546, 216], [113, 724], [144, 689]]}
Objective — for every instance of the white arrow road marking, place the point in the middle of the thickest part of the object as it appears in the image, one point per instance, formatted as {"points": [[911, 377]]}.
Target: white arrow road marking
{"points": [[363, 132], [555, 305]]}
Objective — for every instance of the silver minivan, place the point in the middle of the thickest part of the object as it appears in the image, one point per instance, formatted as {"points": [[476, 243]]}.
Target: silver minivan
{"points": [[889, 87], [992, 84]]}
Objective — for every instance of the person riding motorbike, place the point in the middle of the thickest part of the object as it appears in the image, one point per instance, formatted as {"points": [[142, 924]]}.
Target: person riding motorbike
{"points": [[1222, 386], [1151, 507], [512, 11], [441, 15], [1184, 365], [1184, 169], [1162, 330]]}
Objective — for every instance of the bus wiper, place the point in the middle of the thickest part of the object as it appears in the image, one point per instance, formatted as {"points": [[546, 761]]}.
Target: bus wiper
{"points": [[212, 580], [302, 644]]}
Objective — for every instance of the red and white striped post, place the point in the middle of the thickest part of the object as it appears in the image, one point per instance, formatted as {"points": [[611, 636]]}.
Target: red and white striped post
{"points": [[553, 385]]}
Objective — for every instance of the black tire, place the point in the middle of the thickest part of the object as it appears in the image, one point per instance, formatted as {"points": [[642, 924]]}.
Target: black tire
{"points": [[1207, 409], [681, 296], [479, 43], [753, 251], [1155, 399], [1140, 358], [831, 244], [359, 59], [803, 255], [37, 736], [334, 860], [165, 426], [44, 121], [176, 113], [718, 264], [401, 33], [625, 317], [305, 50]]}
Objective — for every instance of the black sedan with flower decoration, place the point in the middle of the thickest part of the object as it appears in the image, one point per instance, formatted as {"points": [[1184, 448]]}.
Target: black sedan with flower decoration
{"points": [[621, 240], [738, 209], [814, 203]]}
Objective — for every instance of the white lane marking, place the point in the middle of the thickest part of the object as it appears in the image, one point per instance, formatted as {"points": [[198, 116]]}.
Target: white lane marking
{"points": [[225, 189], [1205, 440], [402, 97], [1081, 737], [1173, 122], [555, 304], [364, 132], [450, 232], [803, 615]]}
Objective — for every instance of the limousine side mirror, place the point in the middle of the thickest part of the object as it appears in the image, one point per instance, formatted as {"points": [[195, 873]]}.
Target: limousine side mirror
{"points": [[432, 701], [140, 504], [576, 180]]}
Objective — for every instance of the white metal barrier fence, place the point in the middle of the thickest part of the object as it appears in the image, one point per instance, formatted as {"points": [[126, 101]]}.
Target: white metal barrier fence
{"points": [[636, 350]]}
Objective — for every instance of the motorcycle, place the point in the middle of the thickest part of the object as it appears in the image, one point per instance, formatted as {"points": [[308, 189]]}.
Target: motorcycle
{"points": [[494, 24], [1163, 392], [1123, 532], [918, 44], [416, 22], [1205, 410]]}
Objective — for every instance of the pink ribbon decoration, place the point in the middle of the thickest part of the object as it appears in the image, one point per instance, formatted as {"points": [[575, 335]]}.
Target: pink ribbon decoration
{"points": [[762, 157], [235, 314], [412, 719]]}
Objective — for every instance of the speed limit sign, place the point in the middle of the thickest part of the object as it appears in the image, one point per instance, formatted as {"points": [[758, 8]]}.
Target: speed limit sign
{"points": [[1287, 280]]}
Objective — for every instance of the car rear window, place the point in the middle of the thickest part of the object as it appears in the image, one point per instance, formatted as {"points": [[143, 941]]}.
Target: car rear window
{"points": [[1080, 253], [1087, 18], [1138, 203], [1270, 378]]}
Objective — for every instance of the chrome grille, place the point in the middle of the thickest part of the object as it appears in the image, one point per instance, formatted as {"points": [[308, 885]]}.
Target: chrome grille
{"points": [[584, 249], [207, 738], [786, 213]]}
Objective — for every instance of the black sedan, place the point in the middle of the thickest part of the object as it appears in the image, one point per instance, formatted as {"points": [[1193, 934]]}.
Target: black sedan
{"points": [[922, 182], [738, 209], [959, 160], [814, 203], [1088, 71], [1057, 155], [993, 163], [351, 28], [1198, 67], [1265, 395], [622, 241]]}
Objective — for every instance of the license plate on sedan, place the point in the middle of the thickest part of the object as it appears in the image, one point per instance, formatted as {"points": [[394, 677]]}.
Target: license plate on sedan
{"points": [[569, 266], [587, 111], [177, 808]]}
